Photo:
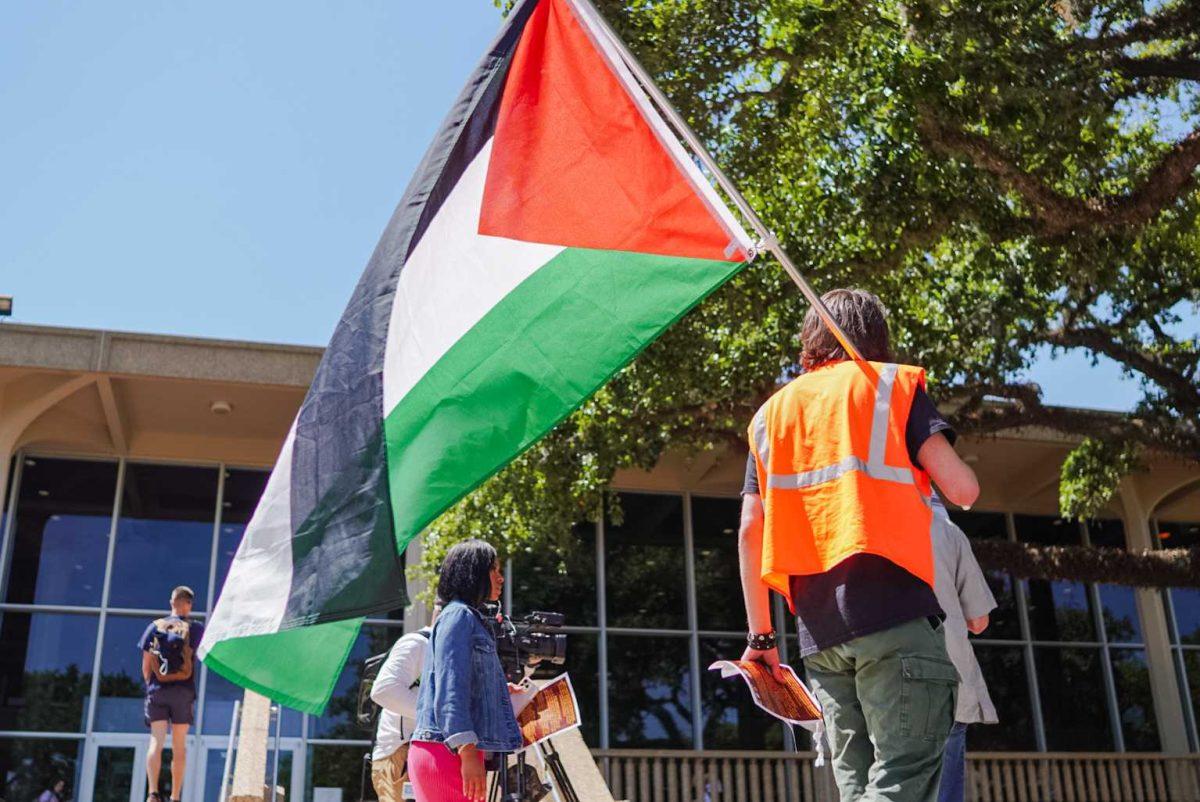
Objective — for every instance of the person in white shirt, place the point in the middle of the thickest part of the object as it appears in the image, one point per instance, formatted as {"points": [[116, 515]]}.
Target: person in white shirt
{"points": [[395, 690], [965, 598]]}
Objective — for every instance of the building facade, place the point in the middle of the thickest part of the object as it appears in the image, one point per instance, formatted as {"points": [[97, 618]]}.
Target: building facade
{"points": [[132, 463]]}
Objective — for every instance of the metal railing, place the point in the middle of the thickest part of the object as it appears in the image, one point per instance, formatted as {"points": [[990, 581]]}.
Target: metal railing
{"points": [[743, 776]]}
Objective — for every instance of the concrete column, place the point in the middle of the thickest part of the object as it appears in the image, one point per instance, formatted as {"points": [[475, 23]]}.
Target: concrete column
{"points": [[1164, 683], [250, 768], [417, 613]]}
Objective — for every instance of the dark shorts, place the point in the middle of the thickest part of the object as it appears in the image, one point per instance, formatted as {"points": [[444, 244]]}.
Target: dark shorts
{"points": [[175, 703]]}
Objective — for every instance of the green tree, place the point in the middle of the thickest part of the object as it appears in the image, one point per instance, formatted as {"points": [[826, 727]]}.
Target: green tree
{"points": [[1013, 178]]}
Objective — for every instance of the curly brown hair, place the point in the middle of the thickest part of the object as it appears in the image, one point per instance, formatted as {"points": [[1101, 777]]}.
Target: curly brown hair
{"points": [[860, 314]]}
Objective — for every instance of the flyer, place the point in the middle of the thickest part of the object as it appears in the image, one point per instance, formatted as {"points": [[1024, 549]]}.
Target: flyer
{"points": [[546, 711], [788, 701]]}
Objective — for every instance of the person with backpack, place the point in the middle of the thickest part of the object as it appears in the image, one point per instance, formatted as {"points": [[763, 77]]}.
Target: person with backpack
{"points": [[168, 667], [395, 690], [837, 515]]}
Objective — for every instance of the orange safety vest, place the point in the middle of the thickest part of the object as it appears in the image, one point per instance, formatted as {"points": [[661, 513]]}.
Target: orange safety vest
{"points": [[834, 472]]}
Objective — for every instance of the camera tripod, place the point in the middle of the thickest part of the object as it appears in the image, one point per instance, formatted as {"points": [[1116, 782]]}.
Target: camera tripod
{"points": [[501, 790]]}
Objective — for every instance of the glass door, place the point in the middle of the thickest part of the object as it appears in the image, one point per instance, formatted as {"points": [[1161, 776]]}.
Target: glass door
{"points": [[114, 773], [291, 768], [114, 769]]}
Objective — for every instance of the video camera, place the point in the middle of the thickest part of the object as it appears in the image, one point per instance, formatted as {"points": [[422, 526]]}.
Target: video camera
{"points": [[523, 643]]}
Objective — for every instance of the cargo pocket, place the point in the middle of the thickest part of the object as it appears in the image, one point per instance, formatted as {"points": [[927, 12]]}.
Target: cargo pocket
{"points": [[928, 691]]}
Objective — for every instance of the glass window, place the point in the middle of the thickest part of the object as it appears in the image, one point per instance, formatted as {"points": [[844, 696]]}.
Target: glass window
{"points": [[719, 604], [1135, 700], [119, 705], [1008, 686], [164, 536], [338, 721], [1190, 659], [1179, 535], [239, 498], [1186, 603], [1118, 605], [561, 580], [1107, 533], [6, 495], [1059, 611], [731, 719], [219, 696], [46, 671], [214, 769], [339, 768], [29, 766], [644, 560], [115, 773], [649, 696], [584, 667], [64, 514], [1074, 701], [981, 525], [1005, 623]]}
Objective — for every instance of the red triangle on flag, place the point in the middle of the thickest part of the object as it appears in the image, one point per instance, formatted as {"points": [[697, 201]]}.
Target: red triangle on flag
{"points": [[575, 163]]}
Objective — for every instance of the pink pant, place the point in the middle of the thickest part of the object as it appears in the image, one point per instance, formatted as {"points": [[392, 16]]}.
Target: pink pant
{"points": [[436, 773]]}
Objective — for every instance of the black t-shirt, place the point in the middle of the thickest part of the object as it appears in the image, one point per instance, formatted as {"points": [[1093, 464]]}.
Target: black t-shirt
{"points": [[864, 593]]}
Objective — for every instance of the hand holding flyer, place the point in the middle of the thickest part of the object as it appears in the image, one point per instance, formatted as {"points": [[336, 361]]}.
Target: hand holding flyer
{"points": [[788, 701]]}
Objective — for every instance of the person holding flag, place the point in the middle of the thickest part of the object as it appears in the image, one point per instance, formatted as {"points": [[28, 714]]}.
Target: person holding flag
{"points": [[837, 517]]}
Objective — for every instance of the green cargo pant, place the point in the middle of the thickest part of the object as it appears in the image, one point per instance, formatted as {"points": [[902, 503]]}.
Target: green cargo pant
{"points": [[888, 701]]}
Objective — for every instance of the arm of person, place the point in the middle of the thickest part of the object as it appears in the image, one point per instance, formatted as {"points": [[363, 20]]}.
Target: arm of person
{"points": [[393, 689], [755, 592], [974, 596], [455, 677], [954, 478], [148, 666]]}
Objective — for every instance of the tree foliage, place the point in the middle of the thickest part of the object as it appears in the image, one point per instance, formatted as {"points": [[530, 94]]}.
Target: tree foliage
{"points": [[1013, 177]]}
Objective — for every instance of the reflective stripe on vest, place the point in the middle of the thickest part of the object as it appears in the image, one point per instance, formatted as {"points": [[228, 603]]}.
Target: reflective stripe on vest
{"points": [[874, 466], [835, 475]]}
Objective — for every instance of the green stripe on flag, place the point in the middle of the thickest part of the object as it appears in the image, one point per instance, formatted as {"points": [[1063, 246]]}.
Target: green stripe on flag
{"points": [[534, 357], [297, 667]]}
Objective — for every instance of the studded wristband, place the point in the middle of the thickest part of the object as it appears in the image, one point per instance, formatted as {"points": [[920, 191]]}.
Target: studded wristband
{"points": [[761, 642]]}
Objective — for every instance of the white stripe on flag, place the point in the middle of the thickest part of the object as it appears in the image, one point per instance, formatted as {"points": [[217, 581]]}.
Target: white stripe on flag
{"points": [[256, 591], [452, 279]]}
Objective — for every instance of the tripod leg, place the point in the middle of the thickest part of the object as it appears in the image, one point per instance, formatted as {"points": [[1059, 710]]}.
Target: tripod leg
{"points": [[562, 782]]}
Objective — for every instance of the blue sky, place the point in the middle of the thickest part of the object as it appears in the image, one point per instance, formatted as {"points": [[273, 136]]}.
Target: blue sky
{"points": [[225, 170]]}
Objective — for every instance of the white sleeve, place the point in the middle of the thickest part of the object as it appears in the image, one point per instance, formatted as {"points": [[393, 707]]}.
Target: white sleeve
{"points": [[393, 689], [974, 595]]}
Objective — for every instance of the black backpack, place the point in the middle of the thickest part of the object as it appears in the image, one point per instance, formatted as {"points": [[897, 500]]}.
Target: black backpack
{"points": [[367, 714]]}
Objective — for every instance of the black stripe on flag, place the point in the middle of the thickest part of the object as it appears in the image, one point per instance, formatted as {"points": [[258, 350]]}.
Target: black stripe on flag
{"points": [[344, 555]]}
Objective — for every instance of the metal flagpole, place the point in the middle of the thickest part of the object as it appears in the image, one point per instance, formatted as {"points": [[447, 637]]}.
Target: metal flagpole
{"points": [[767, 239]]}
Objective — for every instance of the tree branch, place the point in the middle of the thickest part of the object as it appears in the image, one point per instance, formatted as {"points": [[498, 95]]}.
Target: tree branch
{"points": [[1022, 407], [1054, 214], [1185, 69], [1183, 392], [1179, 21]]}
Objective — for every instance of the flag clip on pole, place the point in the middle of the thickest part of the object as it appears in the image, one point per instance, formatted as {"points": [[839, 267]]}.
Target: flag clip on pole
{"points": [[767, 240]]}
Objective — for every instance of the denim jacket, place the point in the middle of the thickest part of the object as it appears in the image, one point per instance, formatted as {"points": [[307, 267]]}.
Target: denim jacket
{"points": [[464, 695]]}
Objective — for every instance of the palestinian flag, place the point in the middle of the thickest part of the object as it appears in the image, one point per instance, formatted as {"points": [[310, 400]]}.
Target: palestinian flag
{"points": [[553, 230]]}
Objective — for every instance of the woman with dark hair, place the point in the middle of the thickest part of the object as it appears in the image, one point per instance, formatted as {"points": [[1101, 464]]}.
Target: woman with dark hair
{"points": [[55, 793], [464, 708]]}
